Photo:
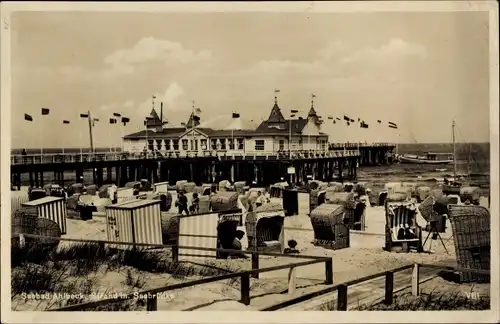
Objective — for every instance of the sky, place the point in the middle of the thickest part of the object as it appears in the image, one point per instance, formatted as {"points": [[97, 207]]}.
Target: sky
{"points": [[420, 70]]}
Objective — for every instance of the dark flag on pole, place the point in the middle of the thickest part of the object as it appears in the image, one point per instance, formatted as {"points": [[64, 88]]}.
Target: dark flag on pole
{"points": [[334, 122], [338, 118], [352, 120], [65, 121], [236, 115], [117, 115], [84, 115], [125, 119], [364, 125], [348, 123], [112, 121], [347, 119], [294, 111], [392, 125], [330, 117], [379, 121], [45, 111], [28, 117], [96, 119]]}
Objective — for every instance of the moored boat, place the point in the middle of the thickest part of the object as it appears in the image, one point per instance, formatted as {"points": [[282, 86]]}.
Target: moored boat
{"points": [[429, 158]]}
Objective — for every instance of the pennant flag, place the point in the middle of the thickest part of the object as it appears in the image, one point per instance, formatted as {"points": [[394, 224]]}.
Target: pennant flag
{"points": [[330, 117], [348, 123], [197, 111], [347, 119], [338, 118], [45, 111], [236, 115], [379, 121], [28, 117], [352, 120], [65, 121], [294, 111], [391, 126], [363, 125], [117, 115], [196, 118], [96, 119], [359, 119], [313, 95], [334, 122], [112, 121], [183, 124], [292, 115], [84, 115], [276, 90], [125, 120]]}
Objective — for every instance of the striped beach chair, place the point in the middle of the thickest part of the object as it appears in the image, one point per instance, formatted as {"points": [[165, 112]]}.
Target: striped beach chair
{"points": [[402, 229]]}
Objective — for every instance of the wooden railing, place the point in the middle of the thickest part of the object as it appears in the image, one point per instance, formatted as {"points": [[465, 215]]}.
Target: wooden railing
{"points": [[152, 294], [112, 156], [342, 288]]}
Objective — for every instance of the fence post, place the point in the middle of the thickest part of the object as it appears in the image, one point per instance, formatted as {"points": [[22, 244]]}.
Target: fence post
{"points": [[389, 287], [175, 253], [329, 272], [342, 298], [415, 280], [255, 264], [245, 289], [291, 280], [152, 304]]}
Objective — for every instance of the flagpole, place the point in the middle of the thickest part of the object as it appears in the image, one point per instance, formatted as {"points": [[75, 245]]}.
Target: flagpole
{"points": [[41, 138]]}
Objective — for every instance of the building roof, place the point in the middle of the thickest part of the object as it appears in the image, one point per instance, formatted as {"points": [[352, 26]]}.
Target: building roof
{"points": [[166, 132], [276, 116], [154, 119], [283, 127]]}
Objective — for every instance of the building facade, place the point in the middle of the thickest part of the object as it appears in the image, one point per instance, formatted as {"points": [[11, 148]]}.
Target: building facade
{"points": [[274, 135]]}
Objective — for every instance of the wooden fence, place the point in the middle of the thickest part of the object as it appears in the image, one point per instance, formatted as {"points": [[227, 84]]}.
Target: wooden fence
{"points": [[243, 275], [342, 288]]}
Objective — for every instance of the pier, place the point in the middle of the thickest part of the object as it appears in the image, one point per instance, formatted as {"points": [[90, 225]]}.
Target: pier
{"points": [[337, 163]]}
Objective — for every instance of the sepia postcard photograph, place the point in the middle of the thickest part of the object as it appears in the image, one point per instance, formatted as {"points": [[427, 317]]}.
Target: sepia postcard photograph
{"points": [[163, 159]]}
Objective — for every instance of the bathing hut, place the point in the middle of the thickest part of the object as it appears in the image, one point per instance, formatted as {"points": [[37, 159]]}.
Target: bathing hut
{"points": [[135, 221], [471, 230], [296, 202], [52, 208], [402, 232], [329, 229], [354, 209]]}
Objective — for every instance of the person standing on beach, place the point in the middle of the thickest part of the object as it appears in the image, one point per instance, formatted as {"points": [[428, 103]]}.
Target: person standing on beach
{"points": [[182, 203]]}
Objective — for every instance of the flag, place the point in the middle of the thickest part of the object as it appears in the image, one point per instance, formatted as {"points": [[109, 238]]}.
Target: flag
{"points": [[125, 120], [348, 123], [197, 111], [84, 115], [96, 119], [183, 124], [294, 111], [236, 115], [330, 117], [359, 119], [28, 117], [352, 120], [334, 122], [45, 111], [363, 125], [292, 115], [391, 126], [196, 118], [65, 121], [379, 121], [276, 90], [338, 118], [117, 115], [313, 95], [112, 121], [347, 118]]}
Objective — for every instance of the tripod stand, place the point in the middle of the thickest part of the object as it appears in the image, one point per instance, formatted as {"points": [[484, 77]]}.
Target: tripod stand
{"points": [[435, 233]]}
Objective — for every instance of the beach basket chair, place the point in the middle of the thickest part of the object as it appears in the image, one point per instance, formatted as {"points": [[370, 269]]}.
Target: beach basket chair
{"points": [[224, 200], [239, 186], [327, 221], [92, 190], [401, 229], [422, 193], [169, 228], [316, 197], [269, 230], [471, 194], [36, 193], [471, 231]]}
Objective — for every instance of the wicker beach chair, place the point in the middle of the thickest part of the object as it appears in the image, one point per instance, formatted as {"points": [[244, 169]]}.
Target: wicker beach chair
{"points": [[471, 231], [402, 230], [328, 225], [269, 231], [92, 189], [224, 200]]}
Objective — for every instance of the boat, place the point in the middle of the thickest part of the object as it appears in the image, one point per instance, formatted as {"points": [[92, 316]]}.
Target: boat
{"points": [[429, 158]]}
